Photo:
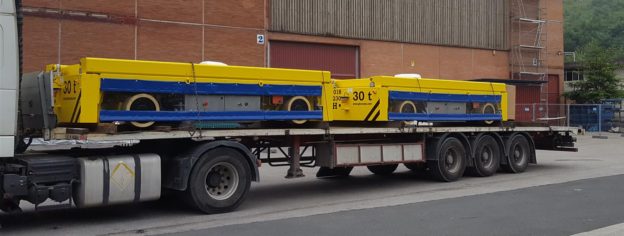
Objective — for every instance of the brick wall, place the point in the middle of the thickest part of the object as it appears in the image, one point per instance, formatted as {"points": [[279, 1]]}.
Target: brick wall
{"points": [[196, 30], [62, 31], [389, 58]]}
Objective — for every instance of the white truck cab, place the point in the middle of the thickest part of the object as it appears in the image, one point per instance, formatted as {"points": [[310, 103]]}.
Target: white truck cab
{"points": [[9, 62]]}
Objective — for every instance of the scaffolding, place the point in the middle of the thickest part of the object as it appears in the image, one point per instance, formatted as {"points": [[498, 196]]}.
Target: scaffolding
{"points": [[529, 44]]}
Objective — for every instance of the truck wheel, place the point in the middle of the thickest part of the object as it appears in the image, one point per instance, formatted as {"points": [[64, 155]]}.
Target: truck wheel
{"points": [[487, 155], [450, 162], [336, 172], [416, 167], [298, 103], [382, 169], [519, 154], [219, 181]]}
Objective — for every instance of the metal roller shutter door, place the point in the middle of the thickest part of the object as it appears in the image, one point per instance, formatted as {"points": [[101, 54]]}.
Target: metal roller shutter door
{"points": [[340, 60]]}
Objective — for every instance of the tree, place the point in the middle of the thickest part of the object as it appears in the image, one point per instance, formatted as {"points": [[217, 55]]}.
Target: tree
{"points": [[599, 66], [600, 21]]}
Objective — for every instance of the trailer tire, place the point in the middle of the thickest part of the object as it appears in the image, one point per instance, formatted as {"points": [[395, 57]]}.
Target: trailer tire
{"points": [[416, 166], [383, 169], [219, 181], [487, 154], [336, 172], [450, 162], [519, 154]]}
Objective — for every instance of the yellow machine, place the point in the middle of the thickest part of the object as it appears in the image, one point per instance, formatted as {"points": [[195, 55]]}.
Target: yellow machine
{"points": [[386, 98], [143, 92]]}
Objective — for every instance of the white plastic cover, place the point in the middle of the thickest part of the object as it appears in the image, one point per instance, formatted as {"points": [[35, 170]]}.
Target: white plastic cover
{"points": [[213, 63], [8, 51], [409, 76], [7, 6], [8, 77]]}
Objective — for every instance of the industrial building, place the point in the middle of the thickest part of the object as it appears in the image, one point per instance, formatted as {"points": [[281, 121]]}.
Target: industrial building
{"points": [[516, 40]]}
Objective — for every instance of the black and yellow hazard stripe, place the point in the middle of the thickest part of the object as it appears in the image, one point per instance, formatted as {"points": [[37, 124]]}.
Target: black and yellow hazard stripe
{"points": [[372, 111], [76, 113]]}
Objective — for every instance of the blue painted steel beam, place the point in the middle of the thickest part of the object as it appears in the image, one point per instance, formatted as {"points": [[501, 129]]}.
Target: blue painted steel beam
{"points": [[443, 117], [169, 116], [143, 86], [439, 97]]}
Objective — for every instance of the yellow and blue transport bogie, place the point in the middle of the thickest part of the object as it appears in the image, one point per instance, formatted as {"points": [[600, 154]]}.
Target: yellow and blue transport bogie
{"points": [[408, 99], [95, 90], [143, 92]]}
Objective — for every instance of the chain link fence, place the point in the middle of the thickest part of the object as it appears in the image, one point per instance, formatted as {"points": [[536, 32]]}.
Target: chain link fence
{"points": [[607, 117]]}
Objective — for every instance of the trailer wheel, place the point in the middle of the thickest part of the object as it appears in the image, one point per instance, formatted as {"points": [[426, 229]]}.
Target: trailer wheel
{"points": [[336, 172], [519, 154], [219, 181], [141, 102], [450, 162], [298, 103], [382, 169], [487, 153], [416, 166]]}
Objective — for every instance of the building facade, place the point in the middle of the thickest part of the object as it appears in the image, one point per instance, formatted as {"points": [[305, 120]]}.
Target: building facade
{"points": [[449, 39], [574, 72]]}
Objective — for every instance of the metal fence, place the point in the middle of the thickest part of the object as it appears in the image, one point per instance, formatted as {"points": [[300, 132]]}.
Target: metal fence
{"points": [[590, 117]]}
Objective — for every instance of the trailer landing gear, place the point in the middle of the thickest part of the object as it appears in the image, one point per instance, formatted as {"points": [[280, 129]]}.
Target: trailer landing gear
{"points": [[295, 166]]}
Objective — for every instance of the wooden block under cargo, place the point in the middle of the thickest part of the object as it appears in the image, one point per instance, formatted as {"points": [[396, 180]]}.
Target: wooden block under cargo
{"points": [[511, 102]]}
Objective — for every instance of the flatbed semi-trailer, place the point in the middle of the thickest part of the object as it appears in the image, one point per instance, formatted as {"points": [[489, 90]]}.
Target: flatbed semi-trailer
{"points": [[214, 168], [213, 164], [208, 134]]}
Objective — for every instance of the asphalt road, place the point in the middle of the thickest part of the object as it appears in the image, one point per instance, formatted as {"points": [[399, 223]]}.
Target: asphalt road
{"points": [[276, 199], [559, 209]]}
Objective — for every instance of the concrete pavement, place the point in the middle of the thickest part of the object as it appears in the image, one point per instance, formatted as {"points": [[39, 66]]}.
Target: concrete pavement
{"points": [[277, 198], [558, 209]]}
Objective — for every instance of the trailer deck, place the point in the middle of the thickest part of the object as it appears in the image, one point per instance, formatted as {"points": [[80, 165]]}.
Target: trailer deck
{"points": [[209, 134]]}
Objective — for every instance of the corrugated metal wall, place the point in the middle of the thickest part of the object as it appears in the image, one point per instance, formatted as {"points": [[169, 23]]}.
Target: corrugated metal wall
{"points": [[464, 23]]}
